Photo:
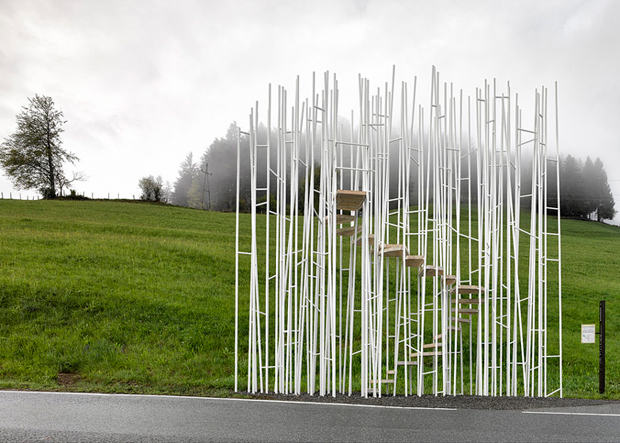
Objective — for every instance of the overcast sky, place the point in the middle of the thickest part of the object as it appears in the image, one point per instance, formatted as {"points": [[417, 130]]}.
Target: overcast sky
{"points": [[144, 82]]}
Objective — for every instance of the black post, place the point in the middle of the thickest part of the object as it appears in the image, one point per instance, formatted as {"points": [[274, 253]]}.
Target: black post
{"points": [[601, 348]]}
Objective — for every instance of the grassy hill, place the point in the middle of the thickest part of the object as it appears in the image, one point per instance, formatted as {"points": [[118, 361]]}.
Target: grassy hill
{"points": [[129, 297]]}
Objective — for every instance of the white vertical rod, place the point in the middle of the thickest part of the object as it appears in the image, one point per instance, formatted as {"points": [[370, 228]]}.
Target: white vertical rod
{"points": [[559, 231], [237, 266], [510, 268], [267, 242], [469, 237]]}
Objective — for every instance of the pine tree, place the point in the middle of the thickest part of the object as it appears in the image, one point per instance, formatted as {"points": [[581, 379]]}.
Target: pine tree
{"points": [[605, 199], [572, 198], [188, 173], [222, 158], [590, 187]]}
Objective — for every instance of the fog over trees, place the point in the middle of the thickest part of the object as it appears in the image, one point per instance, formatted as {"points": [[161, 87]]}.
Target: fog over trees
{"points": [[188, 173], [210, 183], [584, 190]]}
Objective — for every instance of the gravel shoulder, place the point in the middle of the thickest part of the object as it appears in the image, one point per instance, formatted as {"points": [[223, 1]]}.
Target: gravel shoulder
{"points": [[431, 401]]}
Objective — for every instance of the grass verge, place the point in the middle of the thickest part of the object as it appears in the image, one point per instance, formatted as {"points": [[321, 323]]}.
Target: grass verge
{"points": [[109, 296]]}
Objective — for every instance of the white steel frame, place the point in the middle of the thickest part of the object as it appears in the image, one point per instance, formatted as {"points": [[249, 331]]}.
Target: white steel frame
{"points": [[354, 287]]}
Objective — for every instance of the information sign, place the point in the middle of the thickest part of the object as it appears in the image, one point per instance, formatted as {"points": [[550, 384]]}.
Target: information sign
{"points": [[588, 333]]}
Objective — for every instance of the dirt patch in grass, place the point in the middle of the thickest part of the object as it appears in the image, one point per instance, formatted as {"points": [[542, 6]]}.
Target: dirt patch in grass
{"points": [[67, 378]]}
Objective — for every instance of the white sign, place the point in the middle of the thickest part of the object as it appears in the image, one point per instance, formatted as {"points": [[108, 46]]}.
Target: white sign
{"points": [[588, 333]]}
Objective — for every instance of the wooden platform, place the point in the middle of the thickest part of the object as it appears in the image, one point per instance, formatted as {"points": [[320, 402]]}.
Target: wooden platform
{"points": [[432, 345], [407, 363], [460, 320], [371, 240], [467, 301], [430, 271], [393, 251], [383, 381], [426, 354], [350, 200], [344, 218], [468, 289], [449, 280], [414, 261], [465, 311], [450, 328], [347, 231]]}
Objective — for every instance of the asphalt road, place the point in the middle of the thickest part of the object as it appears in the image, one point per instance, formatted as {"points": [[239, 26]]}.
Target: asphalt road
{"points": [[64, 417]]}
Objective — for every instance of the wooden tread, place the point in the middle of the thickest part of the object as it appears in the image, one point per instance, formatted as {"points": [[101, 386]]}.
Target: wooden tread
{"points": [[450, 328], [371, 239], [393, 251], [414, 261], [430, 271], [406, 363], [386, 380], [347, 231], [467, 301], [467, 289], [465, 311], [426, 354], [350, 200], [460, 320], [450, 280], [432, 345], [344, 218]]}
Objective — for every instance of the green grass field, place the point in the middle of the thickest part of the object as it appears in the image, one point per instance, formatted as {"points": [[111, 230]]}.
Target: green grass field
{"points": [[129, 297]]}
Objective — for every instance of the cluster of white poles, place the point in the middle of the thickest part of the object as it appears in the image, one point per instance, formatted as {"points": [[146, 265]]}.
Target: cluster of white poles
{"points": [[416, 258]]}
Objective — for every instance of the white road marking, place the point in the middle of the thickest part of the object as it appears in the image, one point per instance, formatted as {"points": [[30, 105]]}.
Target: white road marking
{"points": [[181, 397], [571, 413]]}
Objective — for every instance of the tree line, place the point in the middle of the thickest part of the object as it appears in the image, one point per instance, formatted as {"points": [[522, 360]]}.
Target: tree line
{"points": [[210, 182], [33, 158], [584, 190]]}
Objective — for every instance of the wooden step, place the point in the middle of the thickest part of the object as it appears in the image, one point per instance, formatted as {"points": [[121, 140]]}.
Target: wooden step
{"points": [[468, 301], [426, 354], [406, 363], [430, 271], [393, 251], [350, 200], [460, 320], [390, 372], [371, 239], [344, 218], [467, 289], [432, 345], [450, 328], [465, 311], [450, 280], [414, 261], [386, 380], [348, 231]]}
